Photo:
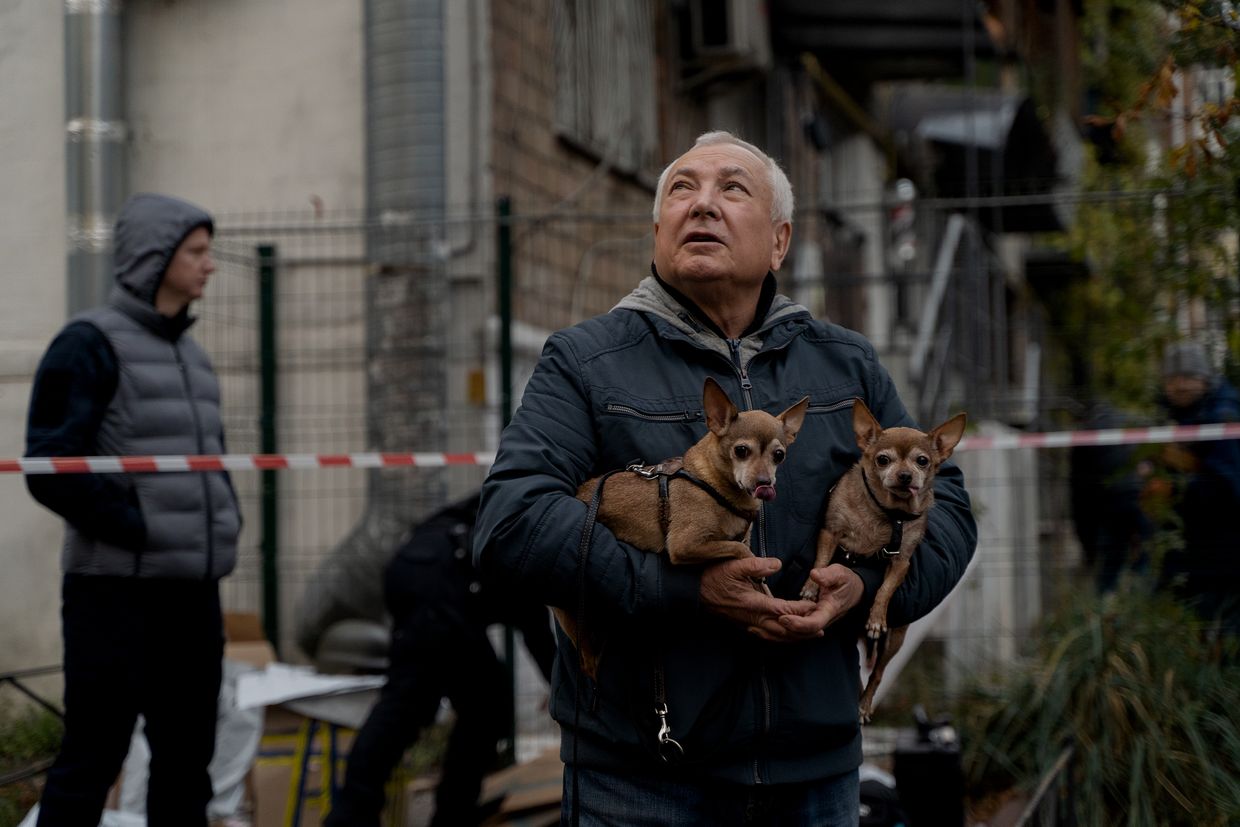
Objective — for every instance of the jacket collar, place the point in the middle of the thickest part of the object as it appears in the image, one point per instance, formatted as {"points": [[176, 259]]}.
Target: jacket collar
{"points": [[765, 299], [145, 314], [677, 318]]}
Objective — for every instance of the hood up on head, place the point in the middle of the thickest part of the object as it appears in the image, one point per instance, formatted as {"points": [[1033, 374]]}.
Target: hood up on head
{"points": [[149, 229]]}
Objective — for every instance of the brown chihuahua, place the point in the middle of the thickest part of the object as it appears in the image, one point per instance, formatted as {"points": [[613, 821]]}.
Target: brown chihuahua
{"points": [[879, 506], [700, 507]]}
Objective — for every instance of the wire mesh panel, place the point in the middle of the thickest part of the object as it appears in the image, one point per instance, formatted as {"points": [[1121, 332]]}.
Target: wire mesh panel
{"points": [[386, 340], [358, 360], [568, 267]]}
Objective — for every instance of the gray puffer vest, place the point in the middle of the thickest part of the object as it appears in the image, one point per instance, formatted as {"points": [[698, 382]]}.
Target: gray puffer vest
{"points": [[167, 402]]}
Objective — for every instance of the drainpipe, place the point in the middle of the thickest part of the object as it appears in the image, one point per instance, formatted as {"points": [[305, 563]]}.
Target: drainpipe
{"points": [[405, 286], [95, 134]]}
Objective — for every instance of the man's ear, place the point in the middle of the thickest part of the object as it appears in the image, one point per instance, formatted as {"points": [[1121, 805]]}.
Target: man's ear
{"points": [[783, 238]]}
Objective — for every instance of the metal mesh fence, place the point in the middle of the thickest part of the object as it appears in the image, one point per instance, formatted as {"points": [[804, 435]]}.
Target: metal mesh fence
{"points": [[387, 339]]}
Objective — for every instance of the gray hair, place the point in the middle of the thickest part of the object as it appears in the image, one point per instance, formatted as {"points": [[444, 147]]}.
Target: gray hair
{"points": [[782, 202]]}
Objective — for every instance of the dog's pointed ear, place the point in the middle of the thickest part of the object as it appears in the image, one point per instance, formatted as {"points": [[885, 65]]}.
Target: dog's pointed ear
{"points": [[865, 426], [720, 412], [947, 436], [793, 418]]}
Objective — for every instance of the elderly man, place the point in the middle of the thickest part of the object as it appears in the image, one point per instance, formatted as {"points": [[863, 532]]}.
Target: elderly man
{"points": [[758, 691]]}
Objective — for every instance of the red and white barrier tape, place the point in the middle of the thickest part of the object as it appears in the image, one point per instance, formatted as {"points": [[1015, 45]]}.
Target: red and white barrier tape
{"points": [[267, 462], [236, 462], [1112, 436]]}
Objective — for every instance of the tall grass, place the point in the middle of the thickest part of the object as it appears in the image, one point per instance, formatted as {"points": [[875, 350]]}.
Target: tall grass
{"points": [[1148, 702], [26, 737]]}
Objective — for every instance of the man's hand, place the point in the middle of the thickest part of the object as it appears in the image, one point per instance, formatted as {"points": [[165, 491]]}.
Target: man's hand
{"points": [[839, 589], [728, 588]]}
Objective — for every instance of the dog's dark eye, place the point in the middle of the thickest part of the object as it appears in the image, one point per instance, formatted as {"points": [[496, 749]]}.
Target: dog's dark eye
{"points": [[883, 460], [778, 455], [741, 451], [923, 461]]}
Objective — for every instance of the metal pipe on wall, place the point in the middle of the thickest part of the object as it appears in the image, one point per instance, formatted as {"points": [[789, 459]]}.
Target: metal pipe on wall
{"points": [[405, 381], [95, 135]]}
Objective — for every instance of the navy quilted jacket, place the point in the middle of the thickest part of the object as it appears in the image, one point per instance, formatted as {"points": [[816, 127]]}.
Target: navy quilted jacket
{"points": [[628, 385]]}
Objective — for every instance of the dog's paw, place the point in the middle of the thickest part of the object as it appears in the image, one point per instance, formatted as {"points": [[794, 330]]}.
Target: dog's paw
{"points": [[875, 629], [864, 714], [809, 591]]}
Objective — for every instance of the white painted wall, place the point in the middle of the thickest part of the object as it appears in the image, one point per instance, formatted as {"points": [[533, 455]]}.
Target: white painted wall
{"points": [[990, 614], [857, 177], [246, 107], [32, 273]]}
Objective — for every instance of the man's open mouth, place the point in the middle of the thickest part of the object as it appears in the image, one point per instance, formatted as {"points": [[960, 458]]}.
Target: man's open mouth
{"points": [[695, 238]]}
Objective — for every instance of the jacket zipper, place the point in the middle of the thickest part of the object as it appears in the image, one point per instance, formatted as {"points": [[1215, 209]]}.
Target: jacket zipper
{"points": [[202, 475], [758, 543], [734, 348], [831, 406], [683, 416]]}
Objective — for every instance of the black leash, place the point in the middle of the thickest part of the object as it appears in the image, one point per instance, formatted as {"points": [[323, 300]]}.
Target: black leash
{"points": [[583, 551], [669, 749]]}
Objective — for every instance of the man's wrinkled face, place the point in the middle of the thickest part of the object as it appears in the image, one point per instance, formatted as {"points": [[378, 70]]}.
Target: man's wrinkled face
{"points": [[715, 219], [1184, 391], [190, 268]]}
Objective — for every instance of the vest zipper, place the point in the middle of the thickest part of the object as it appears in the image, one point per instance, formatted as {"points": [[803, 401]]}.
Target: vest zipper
{"points": [[202, 475]]}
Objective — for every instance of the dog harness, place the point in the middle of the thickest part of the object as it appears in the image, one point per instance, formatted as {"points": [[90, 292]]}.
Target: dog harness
{"points": [[896, 516], [665, 471]]}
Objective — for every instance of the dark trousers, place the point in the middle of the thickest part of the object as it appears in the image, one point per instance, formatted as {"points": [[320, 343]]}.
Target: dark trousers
{"points": [[132, 647], [436, 652]]}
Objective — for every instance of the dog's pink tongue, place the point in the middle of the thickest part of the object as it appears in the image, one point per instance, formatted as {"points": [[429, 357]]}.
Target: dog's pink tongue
{"points": [[765, 492]]}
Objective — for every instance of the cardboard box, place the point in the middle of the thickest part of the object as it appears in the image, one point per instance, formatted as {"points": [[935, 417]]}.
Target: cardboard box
{"points": [[529, 794], [272, 780], [244, 640]]}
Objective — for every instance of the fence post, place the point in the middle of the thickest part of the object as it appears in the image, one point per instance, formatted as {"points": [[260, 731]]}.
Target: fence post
{"points": [[267, 437], [503, 209]]}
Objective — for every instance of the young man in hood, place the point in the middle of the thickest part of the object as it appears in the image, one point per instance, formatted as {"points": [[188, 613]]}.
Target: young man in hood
{"points": [[143, 553]]}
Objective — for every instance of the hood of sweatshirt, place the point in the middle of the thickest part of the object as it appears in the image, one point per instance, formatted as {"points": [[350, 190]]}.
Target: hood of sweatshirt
{"points": [[149, 229]]}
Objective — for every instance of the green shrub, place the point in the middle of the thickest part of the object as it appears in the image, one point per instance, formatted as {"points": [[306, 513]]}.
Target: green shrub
{"points": [[26, 737], [1145, 699]]}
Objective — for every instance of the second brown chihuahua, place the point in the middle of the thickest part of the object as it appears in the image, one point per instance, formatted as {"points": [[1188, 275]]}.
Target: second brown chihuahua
{"points": [[698, 508], [879, 507]]}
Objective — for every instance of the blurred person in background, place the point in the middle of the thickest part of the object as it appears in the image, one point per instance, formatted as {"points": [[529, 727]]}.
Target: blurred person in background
{"points": [[1206, 571], [143, 553], [1104, 484], [440, 609]]}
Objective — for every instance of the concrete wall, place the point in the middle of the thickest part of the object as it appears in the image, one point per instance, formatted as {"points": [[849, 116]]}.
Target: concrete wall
{"points": [[245, 106], [248, 108], [32, 229]]}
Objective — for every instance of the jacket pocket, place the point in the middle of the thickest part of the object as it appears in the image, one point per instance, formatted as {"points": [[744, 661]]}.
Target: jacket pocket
{"points": [[647, 432]]}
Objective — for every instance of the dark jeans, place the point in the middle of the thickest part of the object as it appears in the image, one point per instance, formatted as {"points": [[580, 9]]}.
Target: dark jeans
{"points": [[436, 652], [632, 800], [137, 646]]}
